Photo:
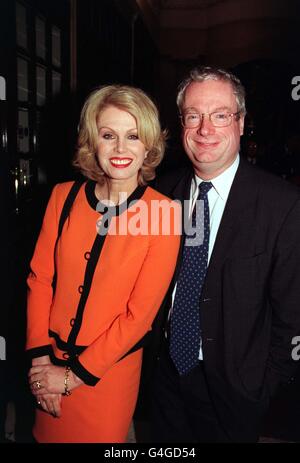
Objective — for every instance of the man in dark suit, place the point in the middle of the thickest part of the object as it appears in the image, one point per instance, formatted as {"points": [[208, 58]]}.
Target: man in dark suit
{"points": [[245, 299]]}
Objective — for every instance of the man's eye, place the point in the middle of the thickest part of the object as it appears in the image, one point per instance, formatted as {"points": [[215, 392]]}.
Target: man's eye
{"points": [[192, 117], [221, 116]]}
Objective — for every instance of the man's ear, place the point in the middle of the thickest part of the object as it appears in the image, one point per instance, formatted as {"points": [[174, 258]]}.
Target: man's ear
{"points": [[241, 124]]}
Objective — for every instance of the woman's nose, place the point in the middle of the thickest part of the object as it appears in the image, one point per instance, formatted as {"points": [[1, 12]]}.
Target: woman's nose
{"points": [[121, 145]]}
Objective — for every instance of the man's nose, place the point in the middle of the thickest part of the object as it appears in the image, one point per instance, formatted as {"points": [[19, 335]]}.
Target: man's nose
{"points": [[205, 126]]}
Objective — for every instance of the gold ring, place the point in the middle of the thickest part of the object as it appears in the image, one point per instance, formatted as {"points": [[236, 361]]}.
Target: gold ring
{"points": [[37, 384]]}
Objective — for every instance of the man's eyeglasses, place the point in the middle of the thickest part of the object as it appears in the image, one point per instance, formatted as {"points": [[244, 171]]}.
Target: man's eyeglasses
{"points": [[217, 118]]}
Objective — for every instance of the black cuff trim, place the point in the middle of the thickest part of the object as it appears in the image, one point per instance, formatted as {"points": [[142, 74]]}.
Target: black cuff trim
{"points": [[83, 374], [65, 346], [39, 351]]}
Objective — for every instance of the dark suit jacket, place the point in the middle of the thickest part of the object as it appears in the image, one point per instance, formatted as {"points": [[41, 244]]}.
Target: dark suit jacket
{"points": [[250, 302]]}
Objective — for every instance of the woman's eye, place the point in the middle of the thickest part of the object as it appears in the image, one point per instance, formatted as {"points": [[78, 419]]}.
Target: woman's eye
{"points": [[108, 136], [133, 137]]}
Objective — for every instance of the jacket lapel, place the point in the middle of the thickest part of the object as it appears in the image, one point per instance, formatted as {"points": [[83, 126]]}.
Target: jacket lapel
{"points": [[239, 208], [181, 192]]}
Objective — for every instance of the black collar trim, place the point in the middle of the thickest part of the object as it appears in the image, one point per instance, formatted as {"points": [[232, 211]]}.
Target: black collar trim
{"points": [[102, 208]]}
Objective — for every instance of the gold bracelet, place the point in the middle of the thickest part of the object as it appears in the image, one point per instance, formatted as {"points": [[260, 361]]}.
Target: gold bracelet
{"points": [[66, 381]]}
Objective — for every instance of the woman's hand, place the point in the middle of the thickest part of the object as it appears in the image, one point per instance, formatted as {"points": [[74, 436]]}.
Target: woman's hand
{"points": [[50, 403], [47, 383], [49, 379], [44, 360]]}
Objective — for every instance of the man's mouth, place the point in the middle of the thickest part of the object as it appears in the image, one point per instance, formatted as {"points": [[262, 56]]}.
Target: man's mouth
{"points": [[207, 144]]}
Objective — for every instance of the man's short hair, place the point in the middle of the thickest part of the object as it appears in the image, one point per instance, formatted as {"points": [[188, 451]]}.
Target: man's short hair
{"points": [[204, 73]]}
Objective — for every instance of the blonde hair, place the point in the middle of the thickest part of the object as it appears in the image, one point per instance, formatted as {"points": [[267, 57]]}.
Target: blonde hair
{"points": [[141, 107]]}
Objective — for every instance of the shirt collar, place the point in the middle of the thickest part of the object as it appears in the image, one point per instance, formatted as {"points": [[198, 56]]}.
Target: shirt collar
{"points": [[223, 182]]}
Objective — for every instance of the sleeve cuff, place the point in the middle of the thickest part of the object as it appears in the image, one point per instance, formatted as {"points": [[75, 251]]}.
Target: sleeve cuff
{"points": [[39, 351], [83, 374]]}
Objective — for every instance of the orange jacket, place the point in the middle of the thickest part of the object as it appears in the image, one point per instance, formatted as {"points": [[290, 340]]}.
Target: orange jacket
{"points": [[109, 288]]}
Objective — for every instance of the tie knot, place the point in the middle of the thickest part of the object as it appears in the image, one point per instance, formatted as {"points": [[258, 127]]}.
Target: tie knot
{"points": [[204, 188]]}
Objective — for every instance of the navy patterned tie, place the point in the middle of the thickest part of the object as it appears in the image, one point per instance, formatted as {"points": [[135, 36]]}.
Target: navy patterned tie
{"points": [[185, 317]]}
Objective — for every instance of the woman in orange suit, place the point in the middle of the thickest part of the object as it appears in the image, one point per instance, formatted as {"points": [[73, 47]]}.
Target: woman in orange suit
{"points": [[112, 262]]}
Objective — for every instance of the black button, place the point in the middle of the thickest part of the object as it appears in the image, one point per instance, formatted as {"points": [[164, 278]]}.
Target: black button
{"points": [[80, 289], [72, 321], [66, 355], [87, 255]]}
